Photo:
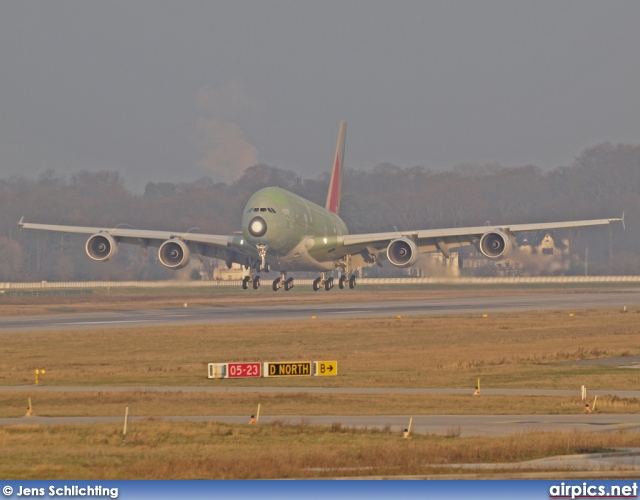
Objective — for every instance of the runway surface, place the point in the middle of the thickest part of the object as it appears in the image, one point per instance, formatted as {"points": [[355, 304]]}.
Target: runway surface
{"points": [[474, 305]]}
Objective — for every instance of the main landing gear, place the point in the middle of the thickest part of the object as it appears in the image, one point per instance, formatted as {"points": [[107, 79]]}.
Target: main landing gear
{"points": [[344, 281], [251, 280], [327, 283], [322, 281], [283, 282]]}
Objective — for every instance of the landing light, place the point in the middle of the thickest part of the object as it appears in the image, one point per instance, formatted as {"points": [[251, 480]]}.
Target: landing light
{"points": [[257, 227], [325, 241]]}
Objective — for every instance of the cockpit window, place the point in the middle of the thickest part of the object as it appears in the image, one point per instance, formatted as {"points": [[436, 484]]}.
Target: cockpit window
{"points": [[272, 210]]}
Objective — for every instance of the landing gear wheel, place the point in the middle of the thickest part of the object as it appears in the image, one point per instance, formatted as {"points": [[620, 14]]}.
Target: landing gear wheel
{"points": [[245, 282], [328, 285], [352, 281], [256, 282], [341, 281], [288, 284], [276, 284], [316, 284]]}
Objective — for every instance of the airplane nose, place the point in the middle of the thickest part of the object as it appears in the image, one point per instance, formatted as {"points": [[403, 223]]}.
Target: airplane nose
{"points": [[257, 227]]}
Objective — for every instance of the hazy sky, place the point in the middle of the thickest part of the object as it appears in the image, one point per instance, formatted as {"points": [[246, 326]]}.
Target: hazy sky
{"points": [[169, 91]]}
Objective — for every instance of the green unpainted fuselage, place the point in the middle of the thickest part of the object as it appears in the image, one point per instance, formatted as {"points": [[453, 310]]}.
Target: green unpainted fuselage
{"points": [[300, 235]]}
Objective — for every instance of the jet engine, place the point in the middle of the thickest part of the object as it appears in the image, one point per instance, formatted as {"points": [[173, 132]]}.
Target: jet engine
{"points": [[101, 247], [174, 254], [402, 252], [495, 244]]}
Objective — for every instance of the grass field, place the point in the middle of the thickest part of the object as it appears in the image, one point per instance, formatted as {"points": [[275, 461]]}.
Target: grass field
{"points": [[157, 404], [518, 350], [161, 450]]}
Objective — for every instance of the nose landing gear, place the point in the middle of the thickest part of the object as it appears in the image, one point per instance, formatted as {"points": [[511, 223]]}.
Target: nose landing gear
{"points": [[262, 253], [254, 279]]}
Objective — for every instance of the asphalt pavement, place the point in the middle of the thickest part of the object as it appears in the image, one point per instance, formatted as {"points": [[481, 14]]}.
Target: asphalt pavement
{"points": [[391, 308]]}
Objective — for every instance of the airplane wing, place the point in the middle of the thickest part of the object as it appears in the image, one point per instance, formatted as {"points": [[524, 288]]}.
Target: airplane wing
{"points": [[495, 239], [229, 248], [400, 248]]}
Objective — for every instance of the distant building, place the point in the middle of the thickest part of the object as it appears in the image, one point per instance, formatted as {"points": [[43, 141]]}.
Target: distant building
{"points": [[435, 265], [222, 273], [544, 257]]}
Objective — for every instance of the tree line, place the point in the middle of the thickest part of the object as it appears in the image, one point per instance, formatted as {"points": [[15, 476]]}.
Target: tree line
{"points": [[602, 182]]}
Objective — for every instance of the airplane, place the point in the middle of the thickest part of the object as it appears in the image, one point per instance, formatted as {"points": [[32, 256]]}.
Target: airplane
{"points": [[290, 233]]}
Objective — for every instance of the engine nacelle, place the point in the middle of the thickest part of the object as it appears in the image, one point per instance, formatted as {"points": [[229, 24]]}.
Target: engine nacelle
{"points": [[101, 247], [495, 244], [174, 254], [402, 252]]}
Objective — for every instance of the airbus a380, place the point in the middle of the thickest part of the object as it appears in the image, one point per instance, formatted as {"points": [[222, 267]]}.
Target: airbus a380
{"points": [[286, 232]]}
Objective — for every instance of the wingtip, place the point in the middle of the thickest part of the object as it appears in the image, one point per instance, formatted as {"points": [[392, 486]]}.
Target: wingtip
{"points": [[621, 219], [21, 221]]}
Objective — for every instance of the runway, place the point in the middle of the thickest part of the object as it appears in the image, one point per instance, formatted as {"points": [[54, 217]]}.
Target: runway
{"points": [[391, 308]]}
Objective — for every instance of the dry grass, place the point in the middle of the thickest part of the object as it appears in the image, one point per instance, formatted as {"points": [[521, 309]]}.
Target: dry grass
{"points": [[158, 404], [505, 350], [519, 350], [161, 450]]}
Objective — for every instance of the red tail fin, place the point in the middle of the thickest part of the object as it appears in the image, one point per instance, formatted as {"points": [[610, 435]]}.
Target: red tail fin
{"points": [[335, 185]]}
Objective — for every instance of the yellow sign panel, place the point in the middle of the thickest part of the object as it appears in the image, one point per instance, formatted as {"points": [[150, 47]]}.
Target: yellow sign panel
{"points": [[326, 368], [288, 369], [217, 370]]}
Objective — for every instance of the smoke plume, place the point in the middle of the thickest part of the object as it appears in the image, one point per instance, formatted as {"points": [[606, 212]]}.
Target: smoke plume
{"points": [[228, 152]]}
